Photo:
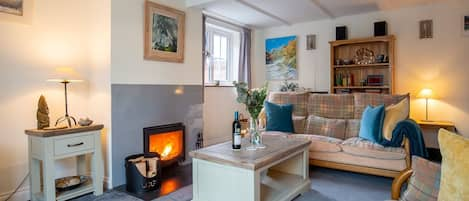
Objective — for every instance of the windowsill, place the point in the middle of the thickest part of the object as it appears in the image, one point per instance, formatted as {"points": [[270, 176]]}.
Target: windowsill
{"points": [[220, 85]]}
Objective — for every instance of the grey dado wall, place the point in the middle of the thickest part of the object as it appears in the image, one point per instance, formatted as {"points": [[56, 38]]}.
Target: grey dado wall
{"points": [[137, 106]]}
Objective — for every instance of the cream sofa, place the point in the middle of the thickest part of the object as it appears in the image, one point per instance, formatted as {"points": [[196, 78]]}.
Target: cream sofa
{"points": [[332, 123]]}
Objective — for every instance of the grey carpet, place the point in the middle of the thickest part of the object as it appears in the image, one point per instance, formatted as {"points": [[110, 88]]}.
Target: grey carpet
{"points": [[326, 185]]}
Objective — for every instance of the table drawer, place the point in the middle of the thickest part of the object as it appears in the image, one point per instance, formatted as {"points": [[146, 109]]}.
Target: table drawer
{"points": [[73, 144]]}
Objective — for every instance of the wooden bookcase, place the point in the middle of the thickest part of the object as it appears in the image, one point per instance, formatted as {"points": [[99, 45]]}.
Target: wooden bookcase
{"points": [[347, 49]]}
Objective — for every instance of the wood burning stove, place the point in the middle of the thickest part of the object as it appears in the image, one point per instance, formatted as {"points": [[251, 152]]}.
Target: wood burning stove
{"points": [[167, 141]]}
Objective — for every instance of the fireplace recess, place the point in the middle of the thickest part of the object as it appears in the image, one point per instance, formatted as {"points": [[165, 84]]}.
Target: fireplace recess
{"points": [[167, 141]]}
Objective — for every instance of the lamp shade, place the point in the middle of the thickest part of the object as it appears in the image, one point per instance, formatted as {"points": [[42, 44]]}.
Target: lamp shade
{"points": [[65, 74], [425, 93]]}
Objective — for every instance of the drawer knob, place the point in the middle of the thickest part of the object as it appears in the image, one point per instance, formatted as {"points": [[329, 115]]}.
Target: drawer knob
{"points": [[75, 145]]}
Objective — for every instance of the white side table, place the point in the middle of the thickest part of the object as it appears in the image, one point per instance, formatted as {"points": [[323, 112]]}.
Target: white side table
{"points": [[48, 146]]}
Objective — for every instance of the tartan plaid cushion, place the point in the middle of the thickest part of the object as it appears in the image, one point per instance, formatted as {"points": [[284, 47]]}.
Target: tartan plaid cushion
{"points": [[364, 99], [424, 184], [353, 128], [299, 124], [326, 127], [334, 106], [297, 99]]}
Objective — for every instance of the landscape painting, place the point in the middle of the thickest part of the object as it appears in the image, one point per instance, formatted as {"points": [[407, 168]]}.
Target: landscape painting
{"points": [[280, 58], [164, 33], [14, 7]]}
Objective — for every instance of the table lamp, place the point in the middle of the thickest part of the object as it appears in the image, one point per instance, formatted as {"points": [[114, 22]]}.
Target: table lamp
{"points": [[427, 94], [65, 75]]}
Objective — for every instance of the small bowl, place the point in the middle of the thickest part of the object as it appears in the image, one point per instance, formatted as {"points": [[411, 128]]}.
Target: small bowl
{"points": [[85, 122], [69, 183], [347, 61]]}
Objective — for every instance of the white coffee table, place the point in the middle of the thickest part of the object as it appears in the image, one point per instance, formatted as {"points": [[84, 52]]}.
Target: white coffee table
{"points": [[279, 172]]}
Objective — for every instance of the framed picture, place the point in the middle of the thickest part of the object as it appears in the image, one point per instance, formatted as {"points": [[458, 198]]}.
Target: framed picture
{"points": [[311, 42], [426, 29], [16, 11], [164, 33], [280, 58], [465, 25]]}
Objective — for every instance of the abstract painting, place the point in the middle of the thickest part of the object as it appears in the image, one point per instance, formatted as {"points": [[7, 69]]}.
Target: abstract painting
{"points": [[164, 33], [13, 7], [280, 58]]}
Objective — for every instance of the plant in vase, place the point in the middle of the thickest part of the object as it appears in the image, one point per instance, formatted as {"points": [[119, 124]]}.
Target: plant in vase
{"points": [[253, 99]]}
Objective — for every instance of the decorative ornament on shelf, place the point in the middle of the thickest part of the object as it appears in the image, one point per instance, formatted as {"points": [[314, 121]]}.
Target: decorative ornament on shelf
{"points": [[364, 56], [426, 93], [85, 122], [42, 114], [253, 99]]}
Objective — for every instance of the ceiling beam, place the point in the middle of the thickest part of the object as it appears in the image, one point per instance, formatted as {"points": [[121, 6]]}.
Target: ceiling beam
{"points": [[323, 8], [266, 13]]}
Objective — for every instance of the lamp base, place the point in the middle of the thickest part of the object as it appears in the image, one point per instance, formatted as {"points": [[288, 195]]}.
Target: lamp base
{"points": [[68, 119]]}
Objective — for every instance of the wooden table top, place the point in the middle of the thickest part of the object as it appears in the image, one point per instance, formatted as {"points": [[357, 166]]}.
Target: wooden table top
{"points": [[276, 148], [65, 131], [435, 123]]}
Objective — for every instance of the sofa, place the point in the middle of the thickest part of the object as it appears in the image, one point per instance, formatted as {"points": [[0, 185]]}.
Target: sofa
{"points": [[332, 123]]}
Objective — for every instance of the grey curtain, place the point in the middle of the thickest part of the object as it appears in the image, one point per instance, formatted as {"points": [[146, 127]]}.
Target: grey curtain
{"points": [[244, 74]]}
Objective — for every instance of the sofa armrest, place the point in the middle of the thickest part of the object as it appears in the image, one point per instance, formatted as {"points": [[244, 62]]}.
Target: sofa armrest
{"points": [[408, 157], [397, 183]]}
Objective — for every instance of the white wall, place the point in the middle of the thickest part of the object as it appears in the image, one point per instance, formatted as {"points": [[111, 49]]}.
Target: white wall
{"points": [[440, 63], [128, 65], [59, 35], [219, 107]]}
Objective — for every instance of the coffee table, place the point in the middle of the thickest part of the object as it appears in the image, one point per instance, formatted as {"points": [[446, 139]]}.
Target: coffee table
{"points": [[280, 172]]}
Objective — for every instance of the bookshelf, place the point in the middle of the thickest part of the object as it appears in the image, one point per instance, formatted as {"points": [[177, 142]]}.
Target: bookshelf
{"points": [[351, 76]]}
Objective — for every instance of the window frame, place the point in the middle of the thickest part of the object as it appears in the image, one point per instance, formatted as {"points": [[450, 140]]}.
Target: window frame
{"points": [[211, 31]]}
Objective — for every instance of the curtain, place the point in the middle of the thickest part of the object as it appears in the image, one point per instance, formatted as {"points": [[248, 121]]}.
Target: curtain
{"points": [[244, 74]]}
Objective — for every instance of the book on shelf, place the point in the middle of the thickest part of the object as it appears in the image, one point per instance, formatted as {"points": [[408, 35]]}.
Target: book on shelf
{"points": [[343, 91], [375, 91]]}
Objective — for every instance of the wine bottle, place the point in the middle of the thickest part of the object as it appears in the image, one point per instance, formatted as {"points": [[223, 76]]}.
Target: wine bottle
{"points": [[236, 132]]}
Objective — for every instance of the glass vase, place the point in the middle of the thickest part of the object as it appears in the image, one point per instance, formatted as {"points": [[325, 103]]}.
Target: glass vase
{"points": [[255, 134]]}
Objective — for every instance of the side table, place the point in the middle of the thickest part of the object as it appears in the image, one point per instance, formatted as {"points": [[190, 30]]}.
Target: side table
{"points": [[430, 135], [47, 146]]}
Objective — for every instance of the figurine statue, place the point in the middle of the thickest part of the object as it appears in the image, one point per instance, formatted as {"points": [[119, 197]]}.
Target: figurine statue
{"points": [[42, 113]]}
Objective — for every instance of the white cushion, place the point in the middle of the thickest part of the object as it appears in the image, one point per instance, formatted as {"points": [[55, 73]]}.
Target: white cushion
{"points": [[393, 115]]}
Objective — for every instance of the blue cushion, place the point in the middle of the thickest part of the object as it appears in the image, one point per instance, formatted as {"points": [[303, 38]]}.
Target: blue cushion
{"points": [[371, 125], [279, 117]]}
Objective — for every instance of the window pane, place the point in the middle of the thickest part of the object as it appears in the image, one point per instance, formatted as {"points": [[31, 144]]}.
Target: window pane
{"points": [[223, 48], [216, 45]]}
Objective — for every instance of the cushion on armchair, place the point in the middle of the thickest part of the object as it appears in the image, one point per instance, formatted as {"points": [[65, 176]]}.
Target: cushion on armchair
{"points": [[454, 171], [424, 184]]}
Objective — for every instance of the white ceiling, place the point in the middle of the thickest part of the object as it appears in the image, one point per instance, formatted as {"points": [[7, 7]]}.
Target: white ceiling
{"points": [[268, 13]]}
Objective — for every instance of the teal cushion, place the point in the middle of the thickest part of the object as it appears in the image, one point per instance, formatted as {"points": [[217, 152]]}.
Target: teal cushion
{"points": [[371, 125], [279, 117]]}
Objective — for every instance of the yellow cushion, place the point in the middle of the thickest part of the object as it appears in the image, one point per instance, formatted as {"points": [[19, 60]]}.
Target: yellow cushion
{"points": [[454, 170], [393, 115]]}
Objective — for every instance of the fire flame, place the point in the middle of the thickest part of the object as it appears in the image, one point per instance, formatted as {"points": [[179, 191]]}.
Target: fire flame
{"points": [[166, 151], [169, 145]]}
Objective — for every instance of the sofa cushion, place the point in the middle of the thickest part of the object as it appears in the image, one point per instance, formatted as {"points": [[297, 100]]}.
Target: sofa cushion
{"points": [[320, 143], [362, 100], [393, 115], [326, 127], [334, 106], [352, 128], [279, 117], [424, 184], [297, 99], [299, 123], [371, 125], [361, 147], [454, 174]]}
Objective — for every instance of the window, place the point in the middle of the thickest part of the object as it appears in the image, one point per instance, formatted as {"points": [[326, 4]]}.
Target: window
{"points": [[222, 54]]}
